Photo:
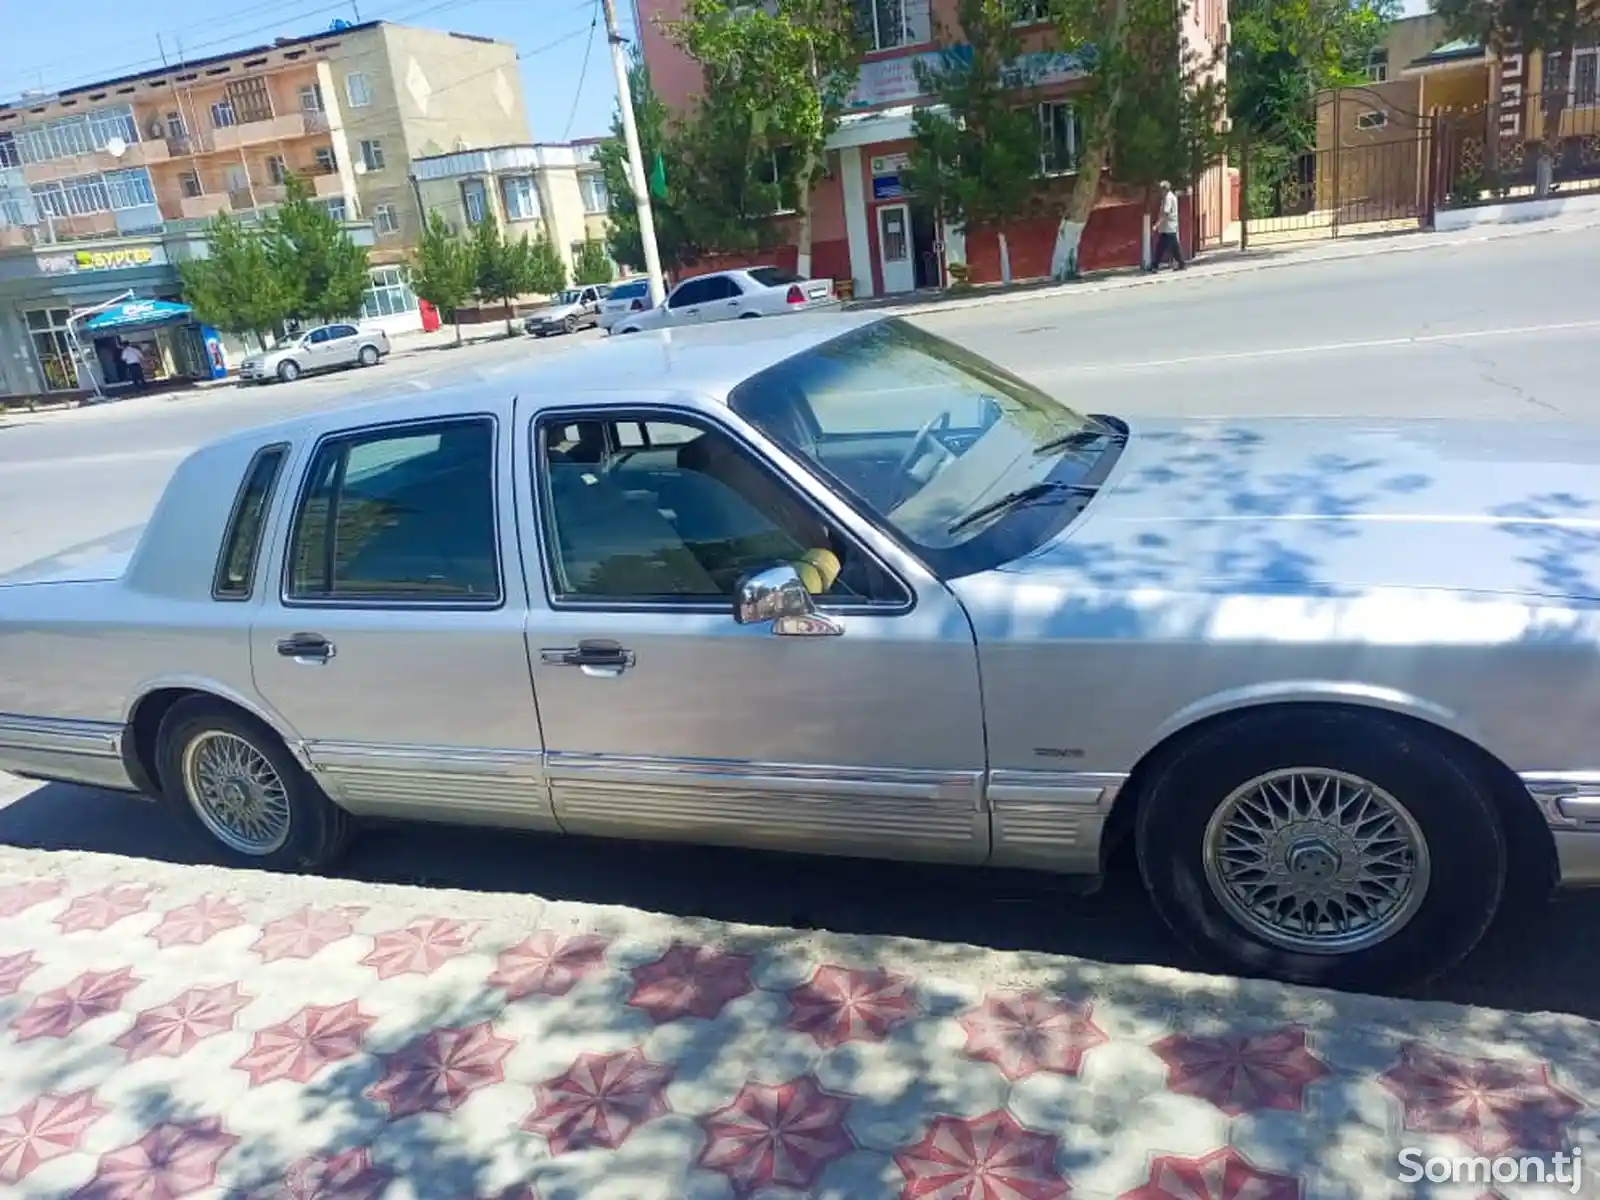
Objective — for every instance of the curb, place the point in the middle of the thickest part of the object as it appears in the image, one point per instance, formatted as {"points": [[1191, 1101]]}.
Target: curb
{"points": [[1402, 244]]}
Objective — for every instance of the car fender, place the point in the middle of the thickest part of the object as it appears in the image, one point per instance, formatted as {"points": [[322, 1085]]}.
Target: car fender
{"points": [[249, 702]]}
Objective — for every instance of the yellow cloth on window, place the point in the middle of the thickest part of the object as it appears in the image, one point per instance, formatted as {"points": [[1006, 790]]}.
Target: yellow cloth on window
{"points": [[817, 570]]}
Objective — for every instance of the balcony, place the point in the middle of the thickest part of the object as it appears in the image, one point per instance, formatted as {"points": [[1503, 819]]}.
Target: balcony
{"points": [[326, 185], [274, 129], [138, 154], [203, 208]]}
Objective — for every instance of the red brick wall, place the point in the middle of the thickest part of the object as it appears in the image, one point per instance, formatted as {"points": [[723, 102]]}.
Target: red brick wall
{"points": [[829, 260], [1110, 240]]}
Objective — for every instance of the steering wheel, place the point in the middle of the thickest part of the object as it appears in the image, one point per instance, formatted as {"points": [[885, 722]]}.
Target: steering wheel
{"points": [[924, 439]]}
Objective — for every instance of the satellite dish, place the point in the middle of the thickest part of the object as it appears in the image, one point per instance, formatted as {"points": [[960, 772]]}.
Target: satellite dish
{"points": [[359, 167], [116, 147]]}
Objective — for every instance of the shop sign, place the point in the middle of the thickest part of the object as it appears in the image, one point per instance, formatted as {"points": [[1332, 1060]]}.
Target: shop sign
{"points": [[889, 164], [887, 187], [894, 80], [96, 260]]}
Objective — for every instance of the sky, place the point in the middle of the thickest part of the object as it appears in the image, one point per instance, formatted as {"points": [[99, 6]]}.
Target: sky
{"points": [[566, 97]]}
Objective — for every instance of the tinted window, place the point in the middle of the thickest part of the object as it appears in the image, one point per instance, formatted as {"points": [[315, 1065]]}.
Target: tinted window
{"points": [[722, 287], [399, 514], [773, 276], [694, 291], [683, 515], [628, 291], [241, 541], [318, 336], [343, 331]]}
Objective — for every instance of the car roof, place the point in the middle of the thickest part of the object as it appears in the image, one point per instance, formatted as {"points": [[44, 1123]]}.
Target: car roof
{"points": [[706, 360]]}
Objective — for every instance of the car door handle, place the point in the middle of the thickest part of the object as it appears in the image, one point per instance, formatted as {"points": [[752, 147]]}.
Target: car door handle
{"points": [[592, 656], [306, 647]]}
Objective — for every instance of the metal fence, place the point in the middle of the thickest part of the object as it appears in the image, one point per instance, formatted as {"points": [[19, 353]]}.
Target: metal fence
{"points": [[1374, 170], [1490, 153]]}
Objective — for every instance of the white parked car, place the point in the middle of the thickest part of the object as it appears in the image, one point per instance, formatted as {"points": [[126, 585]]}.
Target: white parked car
{"points": [[321, 349], [734, 295], [568, 312], [624, 298]]}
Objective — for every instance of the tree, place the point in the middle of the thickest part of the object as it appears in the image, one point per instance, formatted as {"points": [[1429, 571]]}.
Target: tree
{"points": [[234, 288], [976, 159], [443, 271], [1554, 28], [322, 272], [593, 266], [546, 269], [729, 181], [622, 237], [787, 65], [501, 267]]}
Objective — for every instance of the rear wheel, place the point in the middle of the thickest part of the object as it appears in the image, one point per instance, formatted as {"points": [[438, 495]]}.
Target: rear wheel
{"points": [[288, 371], [368, 356], [1322, 846], [232, 783]]}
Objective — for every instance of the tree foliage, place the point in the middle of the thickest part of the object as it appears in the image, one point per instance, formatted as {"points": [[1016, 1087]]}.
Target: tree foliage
{"points": [[234, 287], [651, 119], [502, 269], [785, 68], [592, 265], [443, 271], [546, 269], [322, 273], [977, 154], [1551, 27]]}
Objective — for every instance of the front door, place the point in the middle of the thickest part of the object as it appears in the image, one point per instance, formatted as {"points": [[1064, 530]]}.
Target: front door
{"points": [[391, 635], [666, 718], [894, 248]]}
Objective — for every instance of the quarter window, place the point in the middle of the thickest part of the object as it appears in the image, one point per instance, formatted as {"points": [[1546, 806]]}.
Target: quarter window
{"points": [[670, 510], [400, 515], [241, 541]]}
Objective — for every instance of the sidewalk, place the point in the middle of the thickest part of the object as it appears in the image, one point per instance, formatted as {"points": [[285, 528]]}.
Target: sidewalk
{"points": [[182, 1031]]}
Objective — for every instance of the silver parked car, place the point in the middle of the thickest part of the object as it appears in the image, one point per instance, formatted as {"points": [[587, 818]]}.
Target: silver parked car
{"points": [[733, 295], [323, 348], [835, 585], [630, 296], [574, 309]]}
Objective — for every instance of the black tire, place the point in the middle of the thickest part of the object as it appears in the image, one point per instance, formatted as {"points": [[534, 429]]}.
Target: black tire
{"points": [[319, 830], [570, 324], [288, 371], [1453, 809], [368, 357]]}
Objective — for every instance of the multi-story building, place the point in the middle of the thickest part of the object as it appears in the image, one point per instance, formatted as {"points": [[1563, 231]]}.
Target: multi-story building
{"points": [[104, 188], [540, 189], [867, 230]]}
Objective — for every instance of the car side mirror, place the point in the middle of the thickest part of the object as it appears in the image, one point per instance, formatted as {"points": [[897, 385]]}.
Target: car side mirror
{"points": [[777, 596]]}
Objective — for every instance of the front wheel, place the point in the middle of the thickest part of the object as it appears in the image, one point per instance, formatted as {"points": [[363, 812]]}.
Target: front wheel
{"points": [[1321, 846], [289, 371], [232, 783], [570, 325]]}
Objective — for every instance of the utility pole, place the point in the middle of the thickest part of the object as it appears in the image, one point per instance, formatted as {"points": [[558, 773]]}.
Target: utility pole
{"points": [[630, 133]]}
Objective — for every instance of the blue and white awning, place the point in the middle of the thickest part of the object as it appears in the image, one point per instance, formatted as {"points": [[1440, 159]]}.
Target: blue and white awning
{"points": [[137, 314]]}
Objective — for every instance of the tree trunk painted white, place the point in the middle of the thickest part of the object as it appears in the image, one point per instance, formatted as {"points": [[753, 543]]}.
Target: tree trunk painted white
{"points": [[1005, 259], [1096, 149], [1146, 257], [1064, 258], [803, 182]]}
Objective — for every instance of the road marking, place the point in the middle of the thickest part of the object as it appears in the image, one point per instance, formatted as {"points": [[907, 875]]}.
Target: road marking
{"points": [[1420, 339]]}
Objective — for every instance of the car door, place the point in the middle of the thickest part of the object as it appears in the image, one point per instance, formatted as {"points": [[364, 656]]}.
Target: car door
{"points": [[314, 351], [685, 305], [725, 299], [664, 717], [344, 343], [390, 635]]}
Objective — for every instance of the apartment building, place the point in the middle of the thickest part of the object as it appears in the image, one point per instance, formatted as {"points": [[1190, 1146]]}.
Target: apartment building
{"points": [[105, 187], [867, 230]]}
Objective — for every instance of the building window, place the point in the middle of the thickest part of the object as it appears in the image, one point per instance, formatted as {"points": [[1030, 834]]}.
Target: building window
{"points": [[472, 201], [52, 348], [1378, 66], [311, 98], [521, 199], [250, 99], [389, 295], [385, 219], [1578, 76], [277, 169], [327, 164], [1029, 12], [222, 115], [356, 90], [372, 154], [1058, 138], [130, 189], [1372, 119], [69, 136], [336, 209], [885, 24], [85, 194], [9, 155], [189, 181], [593, 187], [176, 129]]}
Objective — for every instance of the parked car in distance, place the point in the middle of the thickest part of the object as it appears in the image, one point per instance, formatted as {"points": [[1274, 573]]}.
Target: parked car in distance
{"points": [[838, 586], [574, 309], [734, 295], [630, 296], [323, 348]]}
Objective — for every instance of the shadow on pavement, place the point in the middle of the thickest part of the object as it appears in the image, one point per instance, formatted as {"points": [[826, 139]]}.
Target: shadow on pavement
{"points": [[1529, 965]]}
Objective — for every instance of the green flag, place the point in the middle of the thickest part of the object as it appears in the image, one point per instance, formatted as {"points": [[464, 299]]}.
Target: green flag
{"points": [[658, 177]]}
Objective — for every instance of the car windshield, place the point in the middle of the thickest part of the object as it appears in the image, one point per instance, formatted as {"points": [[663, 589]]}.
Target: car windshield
{"points": [[570, 296], [774, 276], [922, 434]]}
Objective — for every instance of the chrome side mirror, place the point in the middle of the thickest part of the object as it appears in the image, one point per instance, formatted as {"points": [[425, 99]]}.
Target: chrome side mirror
{"points": [[778, 597]]}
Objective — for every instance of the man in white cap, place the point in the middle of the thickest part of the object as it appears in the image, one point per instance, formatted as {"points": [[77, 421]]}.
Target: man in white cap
{"points": [[1167, 229]]}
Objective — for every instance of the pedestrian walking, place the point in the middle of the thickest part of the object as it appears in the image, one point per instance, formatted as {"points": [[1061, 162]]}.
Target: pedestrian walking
{"points": [[133, 364], [1167, 229]]}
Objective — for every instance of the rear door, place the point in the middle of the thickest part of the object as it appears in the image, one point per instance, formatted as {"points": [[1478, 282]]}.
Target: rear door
{"points": [[344, 343], [725, 299], [390, 637]]}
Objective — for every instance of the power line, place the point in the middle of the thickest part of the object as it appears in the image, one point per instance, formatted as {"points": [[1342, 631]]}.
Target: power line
{"points": [[583, 72]]}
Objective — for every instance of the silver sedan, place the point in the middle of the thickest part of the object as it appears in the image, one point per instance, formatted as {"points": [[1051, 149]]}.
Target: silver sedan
{"points": [[733, 296], [836, 586]]}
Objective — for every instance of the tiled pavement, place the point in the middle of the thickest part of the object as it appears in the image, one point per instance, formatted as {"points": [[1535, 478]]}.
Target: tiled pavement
{"points": [[181, 1031]]}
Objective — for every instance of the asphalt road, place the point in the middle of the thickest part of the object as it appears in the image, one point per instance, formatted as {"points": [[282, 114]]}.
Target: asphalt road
{"points": [[1504, 329]]}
